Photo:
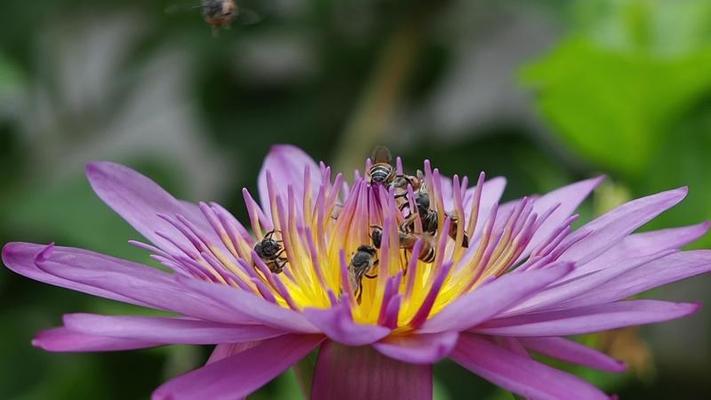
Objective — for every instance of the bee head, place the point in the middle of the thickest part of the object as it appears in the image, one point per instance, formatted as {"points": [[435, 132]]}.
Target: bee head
{"points": [[219, 8], [376, 236], [228, 8], [267, 248]]}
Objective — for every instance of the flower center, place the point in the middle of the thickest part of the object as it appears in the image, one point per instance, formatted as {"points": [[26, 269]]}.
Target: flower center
{"points": [[396, 248]]}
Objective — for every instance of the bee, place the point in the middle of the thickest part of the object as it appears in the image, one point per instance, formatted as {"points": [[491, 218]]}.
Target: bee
{"points": [[362, 262], [400, 184], [271, 252], [382, 171], [407, 241], [429, 218], [219, 13], [454, 223]]}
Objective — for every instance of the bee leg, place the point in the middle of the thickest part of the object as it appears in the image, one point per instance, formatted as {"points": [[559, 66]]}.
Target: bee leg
{"points": [[358, 293], [336, 210], [465, 241], [453, 235], [408, 225], [282, 264]]}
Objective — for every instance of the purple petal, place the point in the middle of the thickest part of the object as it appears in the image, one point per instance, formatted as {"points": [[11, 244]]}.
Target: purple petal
{"points": [[139, 201], [255, 308], [65, 340], [607, 230], [20, 258], [286, 164], [513, 344], [223, 351], [357, 373], [491, 192], [493, 298], [576, 353], [118, 279], [337, 324], [447, 192], [567, 199], [240, 374], [588, 319], [557, 296], [644, 244], [418, 348], [167, 330], [520, 374], [668, 269]]}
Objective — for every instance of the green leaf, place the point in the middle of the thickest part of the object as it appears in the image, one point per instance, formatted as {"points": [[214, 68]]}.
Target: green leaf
{"points": [[612, 89], [683, 159]]}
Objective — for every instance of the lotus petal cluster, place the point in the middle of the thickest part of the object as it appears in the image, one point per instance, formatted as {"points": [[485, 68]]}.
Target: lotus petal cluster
{"points": [[506, 281]]}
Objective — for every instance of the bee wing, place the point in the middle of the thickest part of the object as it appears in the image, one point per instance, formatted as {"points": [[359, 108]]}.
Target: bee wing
{"points": [[176, 8], [381, 154], [420, 175], [247, 16], [421, 181]]}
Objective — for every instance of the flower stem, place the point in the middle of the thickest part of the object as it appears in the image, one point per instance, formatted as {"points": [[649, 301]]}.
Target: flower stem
{"points": [[304, 371], [375, 111]]}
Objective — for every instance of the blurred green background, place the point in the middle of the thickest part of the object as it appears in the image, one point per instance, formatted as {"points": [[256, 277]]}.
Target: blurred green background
{"points": [[542, 92]]}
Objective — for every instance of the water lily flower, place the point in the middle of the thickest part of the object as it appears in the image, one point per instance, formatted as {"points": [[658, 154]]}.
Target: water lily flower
{"points": [[506, 281]]}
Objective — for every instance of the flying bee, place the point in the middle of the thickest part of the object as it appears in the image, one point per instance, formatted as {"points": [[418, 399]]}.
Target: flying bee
{"points": [[270, 251], [362, 262], [407, 241], [219, 13], [382, 171]]}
